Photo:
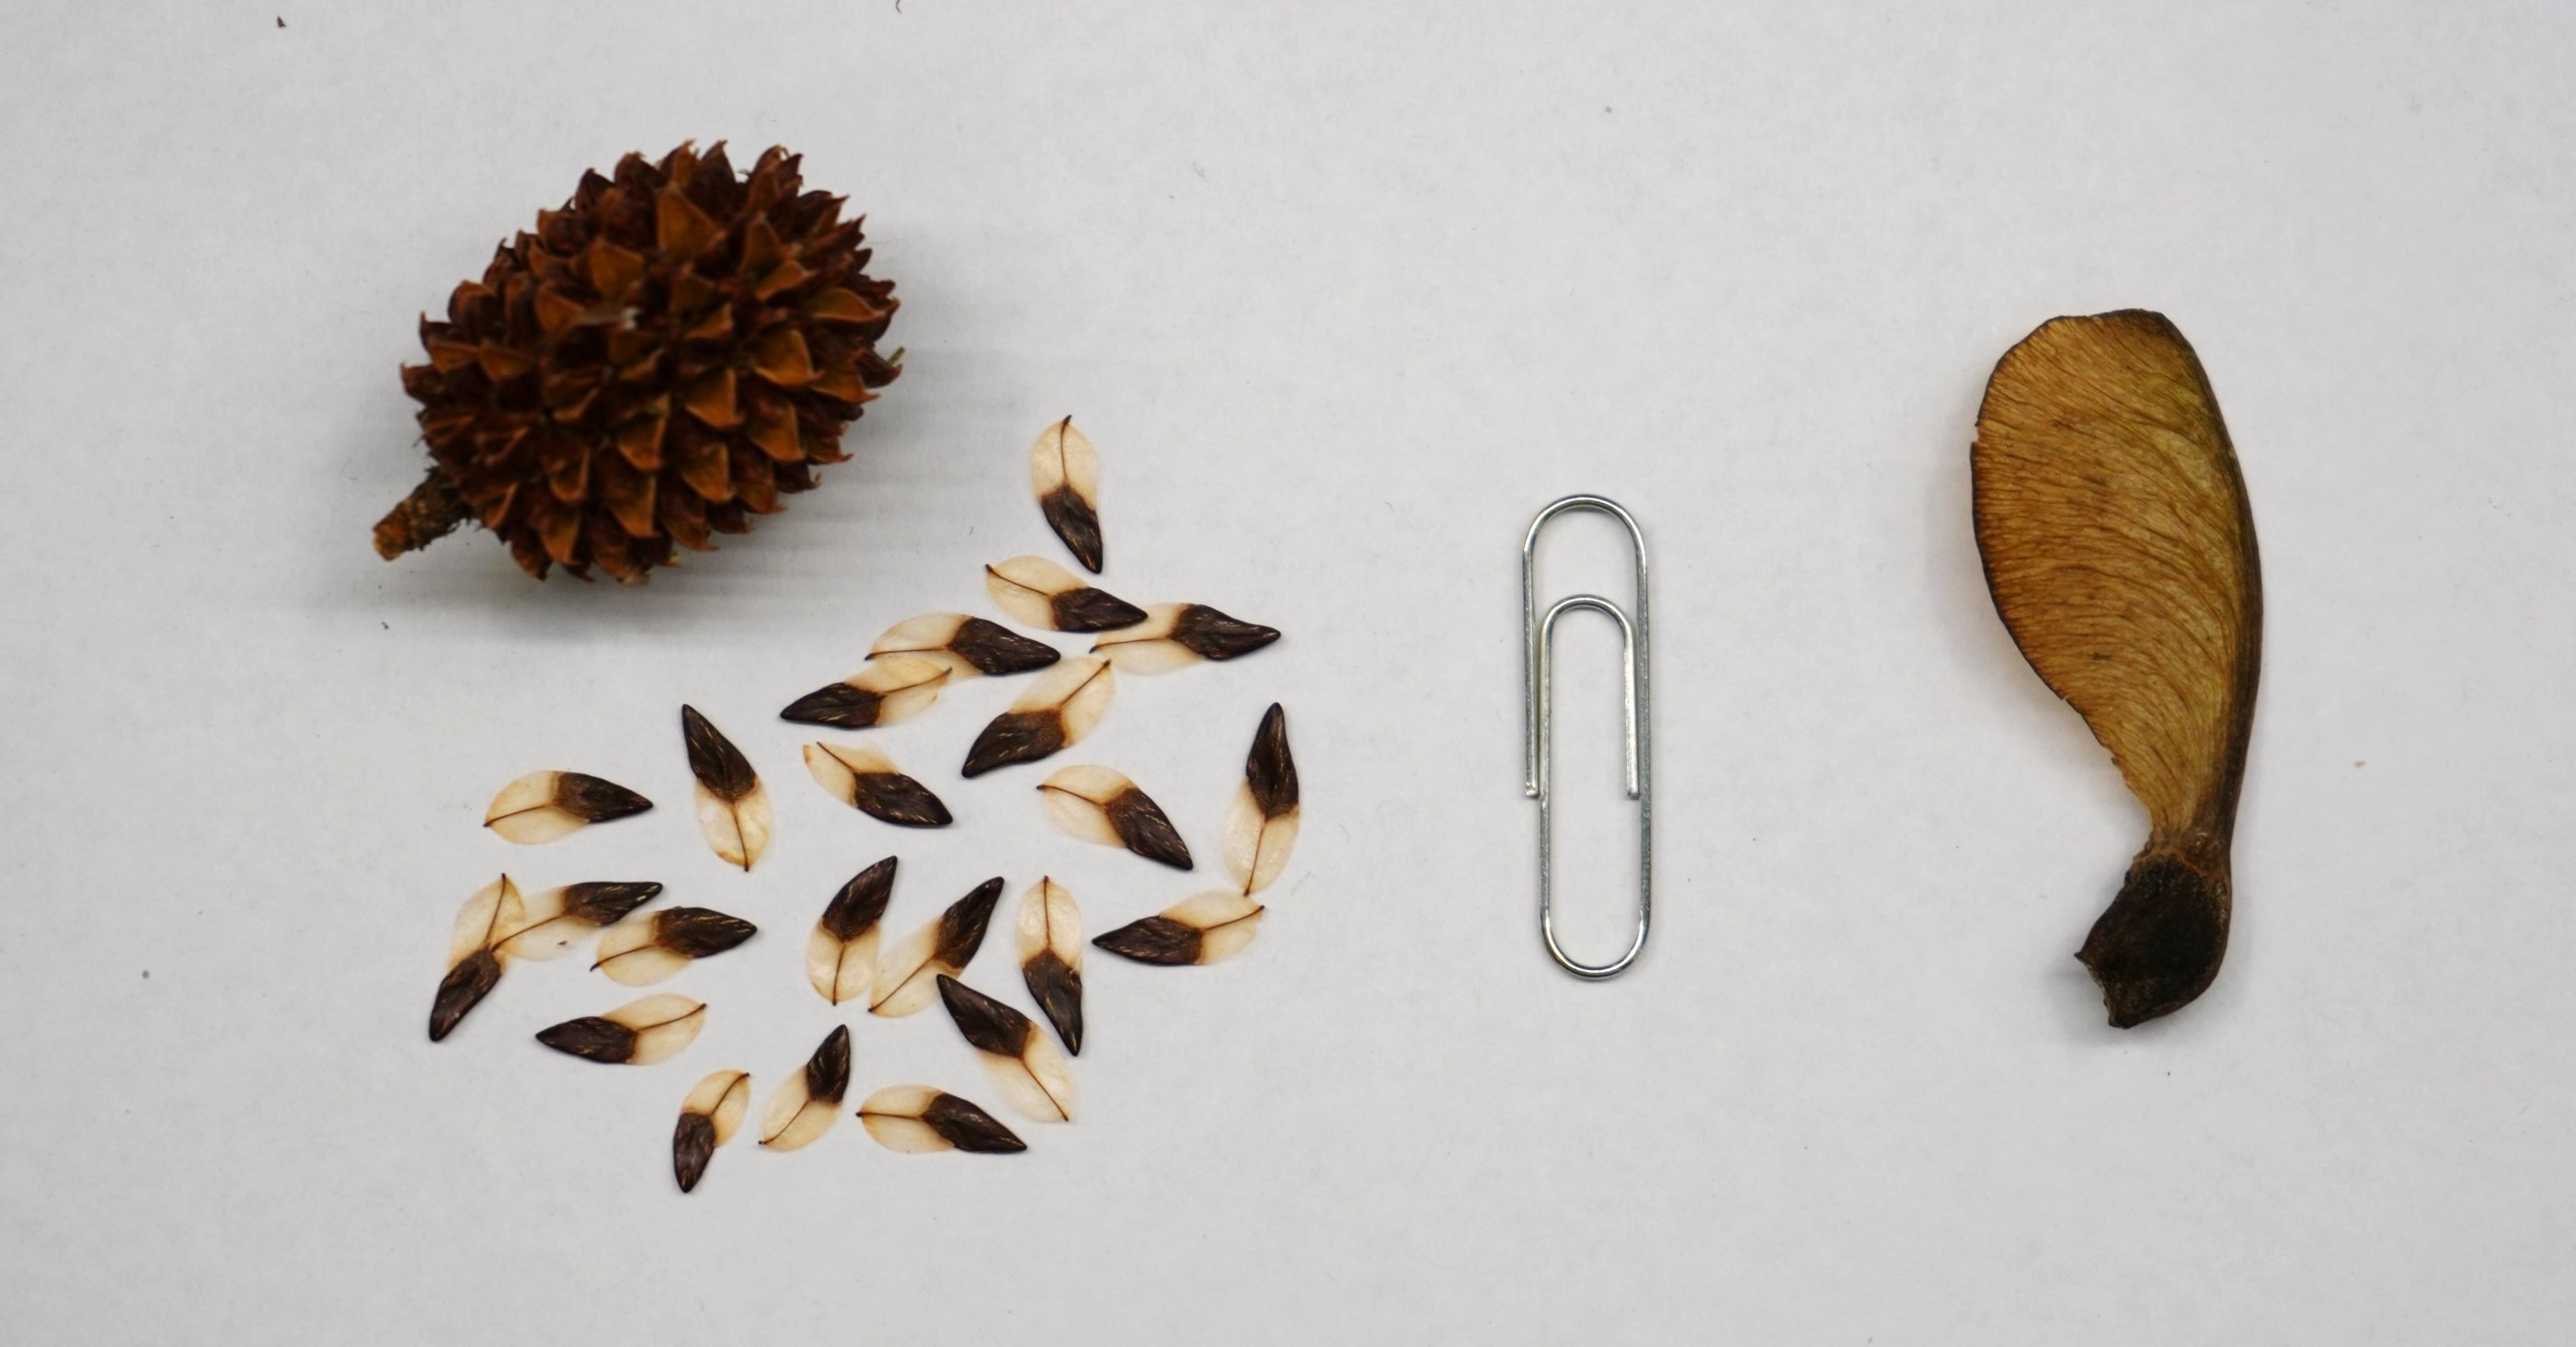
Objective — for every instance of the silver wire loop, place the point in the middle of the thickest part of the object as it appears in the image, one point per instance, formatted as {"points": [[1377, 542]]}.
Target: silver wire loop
{"points": [[1538, 636]]}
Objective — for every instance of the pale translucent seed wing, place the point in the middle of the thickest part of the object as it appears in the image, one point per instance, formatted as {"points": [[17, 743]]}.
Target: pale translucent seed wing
{"points": [[524, 811], [487, 917], [906, 981], [1147, 647], [1256, 848], [1090, 701], [627, 954], [543, 931], [663, 1025], [926, 637], [906, 685], [893, 1116], [1037, 1084]]}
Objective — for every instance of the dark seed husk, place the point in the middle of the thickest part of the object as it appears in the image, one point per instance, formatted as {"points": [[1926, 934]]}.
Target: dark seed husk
{"points": [[897, 799], [1146, 830], [962, 926], [1076, 523], [1013, 737], [988, 1024], [1269, 769], [827, 1072], [861, 903], [995, 649], [1159, 940], [1057, 988], [713, 760], [464, 987], [1093, 610], [696, 932], [969, 1128], [591, 1038], [838, 705], [601, 902], [1210, 634], [693, 1142], [595, 800]]}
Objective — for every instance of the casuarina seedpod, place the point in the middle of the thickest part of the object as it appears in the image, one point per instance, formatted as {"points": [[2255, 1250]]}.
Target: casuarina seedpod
{"points": [[672, 351], [2119, 546]]}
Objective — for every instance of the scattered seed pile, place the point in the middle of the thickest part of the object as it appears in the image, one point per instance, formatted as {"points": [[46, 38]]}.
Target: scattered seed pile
{"points": [[907, 668]]}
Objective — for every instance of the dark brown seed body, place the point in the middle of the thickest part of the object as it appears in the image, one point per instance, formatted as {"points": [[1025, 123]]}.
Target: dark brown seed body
{"points": [[895, 798], [2151, 951], [1209, 634], [1269, 769], [827, 1072], [692, 1143], [696, 932], [595, 800], [464, 987], [861, 903], [989, 1025], [838, 705], [1057, 988], [962, 926], [1014, 737], [601, 902], [592, 1039], [997, 650], [1146, 830], [713, 760], [1093, 610], [1153, 940], [969, 1128], [1076, 523]]}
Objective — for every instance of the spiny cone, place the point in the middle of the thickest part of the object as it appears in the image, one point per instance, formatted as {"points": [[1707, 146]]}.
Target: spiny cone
{"points": [[663, 358]]}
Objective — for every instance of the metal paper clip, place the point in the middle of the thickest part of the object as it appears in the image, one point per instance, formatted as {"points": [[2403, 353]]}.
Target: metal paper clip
{"points": [[1538, 631]]}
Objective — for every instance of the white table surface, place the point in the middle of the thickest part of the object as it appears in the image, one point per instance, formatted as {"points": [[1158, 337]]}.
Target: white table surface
{"points": [[1345, 291]]}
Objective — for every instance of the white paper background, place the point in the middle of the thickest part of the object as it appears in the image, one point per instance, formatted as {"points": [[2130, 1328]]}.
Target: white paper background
{"points": [[1345, 292]]}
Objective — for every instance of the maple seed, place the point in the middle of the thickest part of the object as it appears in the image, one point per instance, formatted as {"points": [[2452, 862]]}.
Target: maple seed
{"points": [[2119, 547]]}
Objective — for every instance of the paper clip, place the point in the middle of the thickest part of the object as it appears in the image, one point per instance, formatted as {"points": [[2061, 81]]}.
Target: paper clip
{"points": [[1538, 631]]}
